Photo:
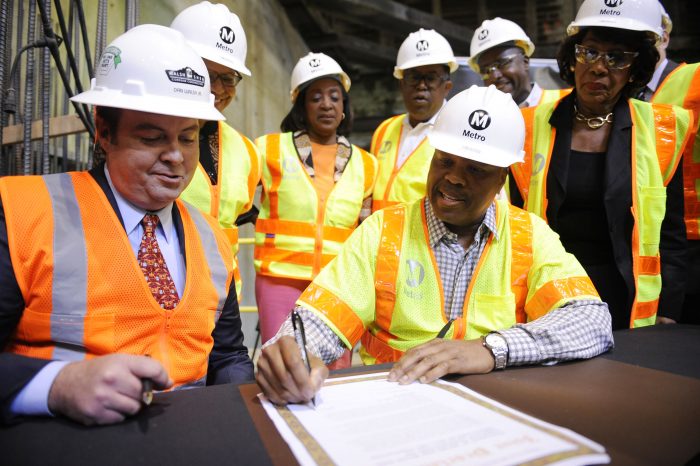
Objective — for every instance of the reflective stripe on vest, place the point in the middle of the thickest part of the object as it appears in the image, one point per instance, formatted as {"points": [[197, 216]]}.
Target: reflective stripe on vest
{"points": [[85, 294], [552, 95], [656, 153], [682, 87], [233, 193], [398, 184], [295, 234], [407, 286]]}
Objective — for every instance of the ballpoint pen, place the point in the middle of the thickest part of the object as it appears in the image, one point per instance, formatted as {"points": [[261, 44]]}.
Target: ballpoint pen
{"points": [[445, 329], [298, 325]]}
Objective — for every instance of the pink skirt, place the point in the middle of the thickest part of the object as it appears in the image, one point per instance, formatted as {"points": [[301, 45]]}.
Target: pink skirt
{"points": [[276, 298]]}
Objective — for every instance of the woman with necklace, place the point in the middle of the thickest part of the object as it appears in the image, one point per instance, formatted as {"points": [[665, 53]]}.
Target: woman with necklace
{"points": [[603, 168]]}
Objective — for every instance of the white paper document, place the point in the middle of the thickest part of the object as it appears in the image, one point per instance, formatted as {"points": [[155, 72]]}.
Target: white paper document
{"points": [[367, 420]]}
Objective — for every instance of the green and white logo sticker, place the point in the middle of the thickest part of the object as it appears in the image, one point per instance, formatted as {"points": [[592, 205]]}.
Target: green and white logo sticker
{"points": [[111, 58]]}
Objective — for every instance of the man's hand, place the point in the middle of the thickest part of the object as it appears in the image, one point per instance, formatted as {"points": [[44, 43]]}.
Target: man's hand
{"points": [[439, 357], [104, 390], [664, 320], [283, 376]]}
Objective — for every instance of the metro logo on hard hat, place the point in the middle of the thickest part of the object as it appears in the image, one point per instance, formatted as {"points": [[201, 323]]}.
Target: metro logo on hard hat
{"points": [[314, 63], [483, 34], [479, 120], [227, 35], [613, 3], [422, 45]]}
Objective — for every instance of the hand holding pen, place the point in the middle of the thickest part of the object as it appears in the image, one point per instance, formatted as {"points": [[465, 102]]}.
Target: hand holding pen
{"points": [[298, 325]]}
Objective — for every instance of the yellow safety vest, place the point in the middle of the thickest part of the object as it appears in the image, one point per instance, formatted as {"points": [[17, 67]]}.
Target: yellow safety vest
{"points": [[394, 298], [85, 294], [659, 134], [238, 175], [682, 87], [398, 184], [294, 236]]}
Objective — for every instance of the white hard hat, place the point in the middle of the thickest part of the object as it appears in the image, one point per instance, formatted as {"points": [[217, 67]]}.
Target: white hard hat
{"points": [[424, 47], [495, 32], [633, 15], [481, 124], [215, 33], [666, 23], [314, 66], [151, 68]]}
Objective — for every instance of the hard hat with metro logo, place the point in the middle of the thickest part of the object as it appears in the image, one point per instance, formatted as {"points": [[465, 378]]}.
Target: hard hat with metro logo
{"points": [[314, 66], [424, 47], [633, 15], [151, 68], [215, 33], [481, 124], [495, 32]]}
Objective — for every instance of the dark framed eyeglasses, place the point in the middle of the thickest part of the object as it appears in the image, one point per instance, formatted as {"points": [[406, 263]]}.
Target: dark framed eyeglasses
{"points": [[432, 80], [612, 60], [500, 65], [227, 79]]}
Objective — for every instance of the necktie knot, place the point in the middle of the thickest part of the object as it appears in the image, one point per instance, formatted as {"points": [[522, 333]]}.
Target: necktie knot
{"points": [[153, 265], [150, 223]]}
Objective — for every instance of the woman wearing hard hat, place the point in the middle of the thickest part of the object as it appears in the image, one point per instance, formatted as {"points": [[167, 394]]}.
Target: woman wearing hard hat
{"points": [[229, 164], [602, 168], [317, 187]]}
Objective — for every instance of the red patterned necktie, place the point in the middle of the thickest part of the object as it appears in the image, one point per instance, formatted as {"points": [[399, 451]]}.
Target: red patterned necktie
{"points": [[153, 265]]}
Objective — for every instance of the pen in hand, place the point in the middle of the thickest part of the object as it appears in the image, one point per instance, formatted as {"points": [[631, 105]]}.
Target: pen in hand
{"points": [[299, 327], [147, 389]]}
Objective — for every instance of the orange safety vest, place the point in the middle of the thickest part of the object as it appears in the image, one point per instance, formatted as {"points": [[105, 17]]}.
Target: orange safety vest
{"points": [[296, 234], [395, 184], [682, 87], [85, 294], [656, 150]]}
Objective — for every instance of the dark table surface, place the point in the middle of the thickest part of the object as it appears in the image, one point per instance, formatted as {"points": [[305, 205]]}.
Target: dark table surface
{"points": [[641, 401]]}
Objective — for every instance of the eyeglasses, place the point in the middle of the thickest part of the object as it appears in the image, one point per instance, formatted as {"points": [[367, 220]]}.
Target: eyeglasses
{"points": [[432, 80], [612, 60], [500, 65], [227, 79]]}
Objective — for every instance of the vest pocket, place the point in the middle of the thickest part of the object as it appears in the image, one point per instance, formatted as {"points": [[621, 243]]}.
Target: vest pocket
{"points": [[652, 211], [491, 312]]}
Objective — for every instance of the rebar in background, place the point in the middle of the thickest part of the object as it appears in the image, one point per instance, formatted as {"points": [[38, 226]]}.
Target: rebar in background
{"points": [[29, 93], [45, 102], [4, 34], [16, 118], [131, 14], [101, 36]]}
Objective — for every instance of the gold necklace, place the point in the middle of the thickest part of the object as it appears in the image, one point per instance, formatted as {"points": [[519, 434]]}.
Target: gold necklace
{"points": [[593, 122]]}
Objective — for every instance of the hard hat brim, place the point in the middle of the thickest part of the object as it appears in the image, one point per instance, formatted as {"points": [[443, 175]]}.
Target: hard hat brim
{"points": [[153, 104], [398, 71], [234, 64], [479, 153]]}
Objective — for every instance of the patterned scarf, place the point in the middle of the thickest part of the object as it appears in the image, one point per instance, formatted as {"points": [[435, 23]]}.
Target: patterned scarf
{"points": [[342, 155]]}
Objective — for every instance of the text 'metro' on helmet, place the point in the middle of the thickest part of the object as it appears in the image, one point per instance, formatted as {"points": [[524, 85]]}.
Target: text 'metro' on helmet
{"points": [[151, 68], [215, 33], [497, 32], [424, 47], [481, 124], [314, 66], [633, 15]]}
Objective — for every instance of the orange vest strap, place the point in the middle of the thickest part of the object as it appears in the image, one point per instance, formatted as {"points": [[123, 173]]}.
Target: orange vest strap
{"points": [[644, 310], [272, 254], [387, 268], [380, 133], [665, 128], [379, 349], [231, 234], [521, 256], [378, 204], [649, 265], [551, 293], [303, 229], [521, 172], [335, 310]]}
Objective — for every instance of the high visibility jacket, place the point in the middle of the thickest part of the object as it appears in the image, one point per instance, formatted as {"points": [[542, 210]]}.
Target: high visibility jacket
{"points": [[394, 298], [85, 294], [659, 135], [553, 95], [682, 87], [404, 183], [238, 175], [297, 233]]}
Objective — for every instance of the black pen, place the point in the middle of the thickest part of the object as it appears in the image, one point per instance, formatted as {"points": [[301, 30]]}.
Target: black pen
{"points": [[298, 325], [147, 389], [445, 329]]}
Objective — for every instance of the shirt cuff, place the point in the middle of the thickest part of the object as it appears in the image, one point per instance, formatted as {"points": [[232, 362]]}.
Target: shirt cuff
{"points": [[33, 399]]}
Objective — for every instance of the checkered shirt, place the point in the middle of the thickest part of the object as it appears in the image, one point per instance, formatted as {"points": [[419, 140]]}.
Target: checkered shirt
{"points": [[578, 330]]}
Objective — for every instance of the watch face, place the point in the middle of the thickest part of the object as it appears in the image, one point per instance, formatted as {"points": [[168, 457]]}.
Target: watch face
{"points": [[493, 339]]}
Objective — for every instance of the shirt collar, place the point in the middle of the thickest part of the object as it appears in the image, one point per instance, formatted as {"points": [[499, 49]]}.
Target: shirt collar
{"points": [[656, 77], [429, 123], [133, 215], [437, 229], [533, 98]]}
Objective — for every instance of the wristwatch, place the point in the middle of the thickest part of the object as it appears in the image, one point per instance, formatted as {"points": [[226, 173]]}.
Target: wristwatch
{"points": [[498, 346]]}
